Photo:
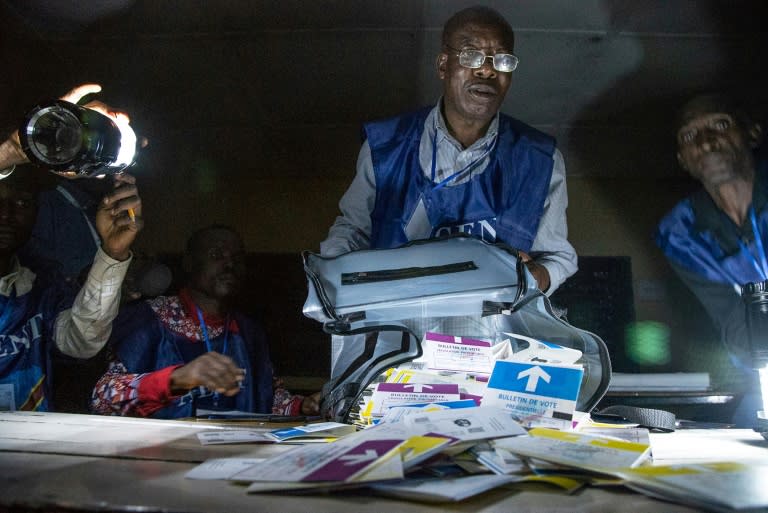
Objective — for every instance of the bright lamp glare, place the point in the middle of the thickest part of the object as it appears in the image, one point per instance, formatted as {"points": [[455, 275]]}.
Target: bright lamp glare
{"points": [[127, 143], [763, 372]]}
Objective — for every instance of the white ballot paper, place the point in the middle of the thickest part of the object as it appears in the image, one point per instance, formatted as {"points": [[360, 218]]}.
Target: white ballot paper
{"points": [[721, 486], [465, 424], [541, 351], [386, 395], [444, 489], [324, 431], [234, 436], [461, 354], [221, 468], [342, 460], [593, 453]]}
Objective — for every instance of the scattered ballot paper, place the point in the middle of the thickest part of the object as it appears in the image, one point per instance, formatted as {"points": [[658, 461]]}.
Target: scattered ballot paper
{"points": [[735, 486], [593, 453], [454, 489], [235, 436], [222, 468], [444, 489], [462, 354], [537, 394], [386, 395], [342, 460], [396, 413], [388, 470], [318, 432], [466, 424]]}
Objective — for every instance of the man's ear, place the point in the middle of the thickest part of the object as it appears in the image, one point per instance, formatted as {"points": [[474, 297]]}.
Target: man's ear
{"points": [[441, 61], [680, 162]]}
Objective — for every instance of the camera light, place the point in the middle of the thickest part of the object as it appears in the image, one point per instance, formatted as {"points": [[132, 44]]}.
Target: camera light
{"points": [[73, 140]]}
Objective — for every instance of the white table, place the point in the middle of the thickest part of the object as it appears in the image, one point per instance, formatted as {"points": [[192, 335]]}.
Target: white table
{"points": [[80, 462]]}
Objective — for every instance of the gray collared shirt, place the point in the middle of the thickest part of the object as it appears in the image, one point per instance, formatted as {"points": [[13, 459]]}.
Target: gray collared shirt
{"points": [[351, 231]]}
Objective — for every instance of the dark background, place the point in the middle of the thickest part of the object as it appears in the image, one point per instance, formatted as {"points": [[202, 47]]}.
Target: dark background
{"points": [[253, 111]]}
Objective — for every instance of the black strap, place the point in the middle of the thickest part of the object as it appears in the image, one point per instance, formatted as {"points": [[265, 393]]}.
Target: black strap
{"points": [[658, 420]]}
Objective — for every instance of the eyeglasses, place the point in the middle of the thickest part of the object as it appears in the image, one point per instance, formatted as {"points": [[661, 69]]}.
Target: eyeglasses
{"points": [[470, 58]]}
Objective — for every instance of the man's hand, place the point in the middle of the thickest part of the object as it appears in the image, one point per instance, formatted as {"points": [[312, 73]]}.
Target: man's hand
{"points": [[538, 271], [118, 219], [212, 370]]}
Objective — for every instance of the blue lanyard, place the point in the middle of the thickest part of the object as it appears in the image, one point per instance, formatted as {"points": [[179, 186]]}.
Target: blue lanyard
{"points": [[762, 266], [204, 330], [208, 347], [457, 174]]}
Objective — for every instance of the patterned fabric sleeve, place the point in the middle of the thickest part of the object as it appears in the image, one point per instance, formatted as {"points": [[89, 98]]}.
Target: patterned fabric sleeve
{"points": [[285, 403], [137, 395]]}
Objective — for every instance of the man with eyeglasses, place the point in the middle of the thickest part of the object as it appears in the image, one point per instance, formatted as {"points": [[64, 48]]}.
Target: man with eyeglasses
{"points": [[461, 166], [715, 239]]}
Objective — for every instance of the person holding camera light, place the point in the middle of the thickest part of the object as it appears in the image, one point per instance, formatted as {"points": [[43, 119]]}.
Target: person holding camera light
{"points": [[41, 319]]}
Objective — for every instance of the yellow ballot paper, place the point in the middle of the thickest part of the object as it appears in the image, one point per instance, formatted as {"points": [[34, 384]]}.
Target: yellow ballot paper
{"points": [[593, 453], [419, 448]]}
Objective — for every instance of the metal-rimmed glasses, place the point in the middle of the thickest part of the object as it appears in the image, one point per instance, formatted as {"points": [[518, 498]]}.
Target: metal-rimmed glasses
{"points": [[473, 59]]}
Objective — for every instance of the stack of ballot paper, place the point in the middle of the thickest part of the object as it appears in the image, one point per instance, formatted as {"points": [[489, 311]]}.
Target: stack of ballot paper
{"points": [[537, 381], [317, 432], [310, 433]]}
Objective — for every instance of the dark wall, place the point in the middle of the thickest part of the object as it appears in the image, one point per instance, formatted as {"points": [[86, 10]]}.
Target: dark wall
{"points": [[253, 110]]}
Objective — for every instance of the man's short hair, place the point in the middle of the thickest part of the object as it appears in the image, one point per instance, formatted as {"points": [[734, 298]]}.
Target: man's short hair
{"points": [[712, 103], [195, 241], [479, 15]]}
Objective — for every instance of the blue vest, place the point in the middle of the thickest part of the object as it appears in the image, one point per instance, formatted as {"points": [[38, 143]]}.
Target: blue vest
{"points": [[504, 203], [143, 344], [693, 245], [26, 345]]}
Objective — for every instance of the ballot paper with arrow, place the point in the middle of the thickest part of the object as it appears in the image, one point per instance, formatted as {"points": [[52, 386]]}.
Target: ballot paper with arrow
{"points": [[536, 394], [339, 461], [386, 395]]}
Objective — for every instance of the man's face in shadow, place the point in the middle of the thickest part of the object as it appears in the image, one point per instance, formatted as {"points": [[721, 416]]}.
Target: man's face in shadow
{"points": [[714, 147], [218, 264], [18, 209]]}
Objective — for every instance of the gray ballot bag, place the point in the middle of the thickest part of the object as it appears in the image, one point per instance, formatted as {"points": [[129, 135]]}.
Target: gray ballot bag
{"points": [[378, 304]]}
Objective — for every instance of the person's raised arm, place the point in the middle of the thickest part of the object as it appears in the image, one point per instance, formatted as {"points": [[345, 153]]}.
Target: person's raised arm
{"points": [[84, 329]]}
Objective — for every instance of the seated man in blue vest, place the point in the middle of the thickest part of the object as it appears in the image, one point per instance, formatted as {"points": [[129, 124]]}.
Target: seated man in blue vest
{"points": [[712, 239], [42, 317], [461, 166], [177, 355]]}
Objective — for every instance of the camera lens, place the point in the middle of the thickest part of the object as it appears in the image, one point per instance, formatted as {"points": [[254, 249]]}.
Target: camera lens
{"points": [[55, 134]]}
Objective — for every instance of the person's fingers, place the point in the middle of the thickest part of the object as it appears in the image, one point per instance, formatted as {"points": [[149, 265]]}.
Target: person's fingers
{"points": [[77, 94], [221, 374], [123, 178], [110, 112]]}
